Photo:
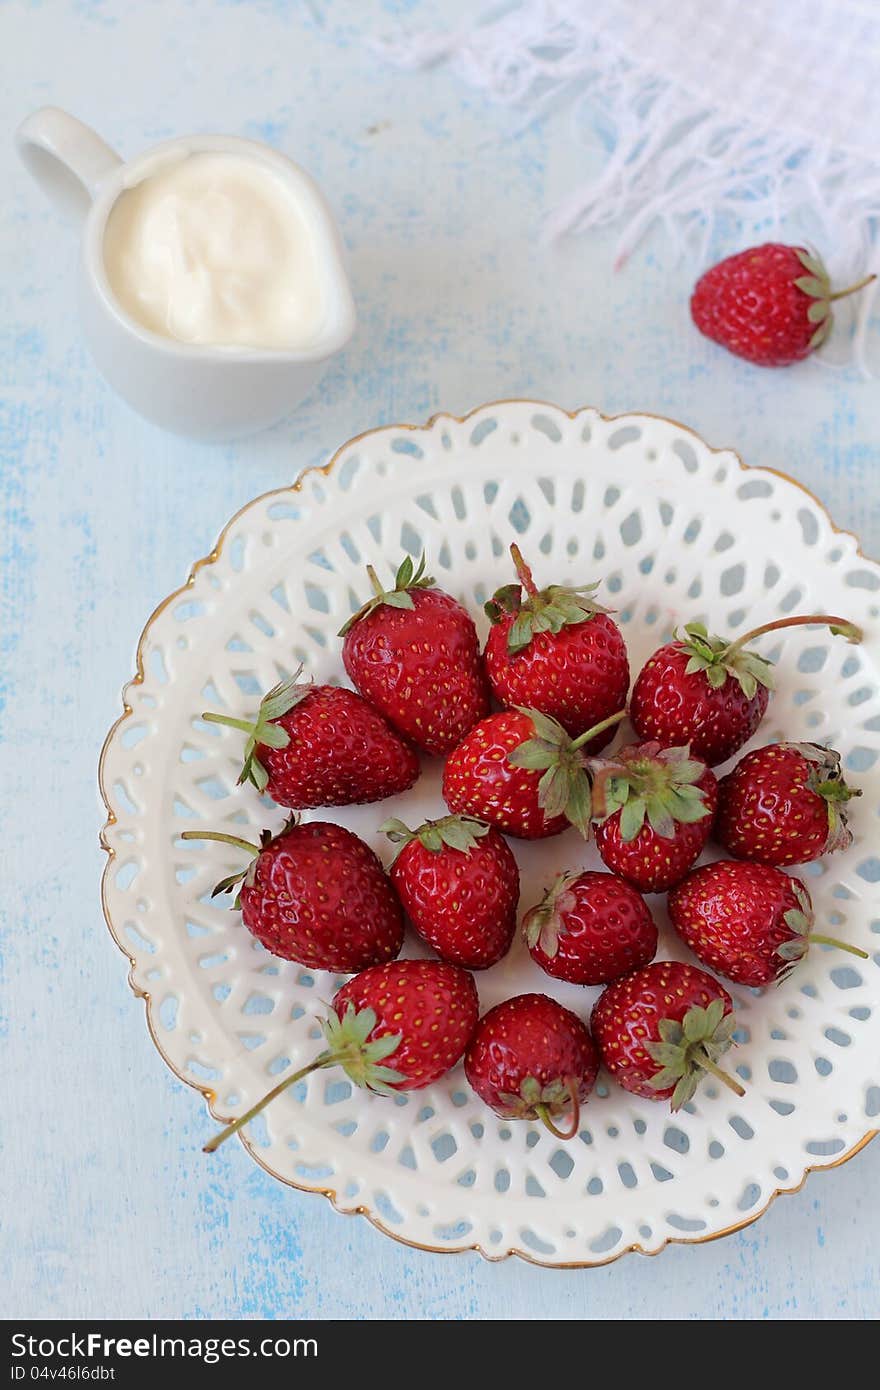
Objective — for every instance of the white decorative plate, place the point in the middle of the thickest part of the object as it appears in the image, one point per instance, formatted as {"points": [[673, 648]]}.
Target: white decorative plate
{"points": [[677, 531]]}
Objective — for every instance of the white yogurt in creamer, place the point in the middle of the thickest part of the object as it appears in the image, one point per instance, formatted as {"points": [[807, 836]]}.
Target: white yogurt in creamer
{"points": [[216, 249]]}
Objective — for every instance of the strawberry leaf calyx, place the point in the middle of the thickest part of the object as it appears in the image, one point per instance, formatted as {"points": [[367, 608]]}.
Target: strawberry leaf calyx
{"points": [[462, 833], [645, 782], [363, 1060], [539, 610], [689, 1049], [800, 922], [410, 575], [543, 924], [717, 659], [265, 731], [564, 784], [825, 779], [816, 284], [507, 599]]}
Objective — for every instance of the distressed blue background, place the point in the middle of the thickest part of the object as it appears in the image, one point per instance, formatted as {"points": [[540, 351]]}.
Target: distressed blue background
{"points": [[108, 1206]]}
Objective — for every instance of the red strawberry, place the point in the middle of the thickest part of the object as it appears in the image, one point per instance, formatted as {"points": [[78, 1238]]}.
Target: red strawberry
{"points": [[531, 1059], [662, 1028], [556, 650], [413, 652], [322, 745], [459, 884], [750, 922], [655, 808], [711, 693], [395, 1027], [431, 1007], [520, 771], [784, 804], [770, 304], [316, 894], [590, 928]]}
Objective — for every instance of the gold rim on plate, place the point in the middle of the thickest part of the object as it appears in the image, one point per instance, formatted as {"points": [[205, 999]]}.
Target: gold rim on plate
{"points": [[207, 1093]]}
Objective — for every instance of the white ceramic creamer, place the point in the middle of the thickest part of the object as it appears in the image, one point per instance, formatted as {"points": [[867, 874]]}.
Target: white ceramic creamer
{"points": [[212, 288]]}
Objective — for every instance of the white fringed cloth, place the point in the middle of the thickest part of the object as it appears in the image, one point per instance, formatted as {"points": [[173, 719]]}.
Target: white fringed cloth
{"points": [[752, 114]]}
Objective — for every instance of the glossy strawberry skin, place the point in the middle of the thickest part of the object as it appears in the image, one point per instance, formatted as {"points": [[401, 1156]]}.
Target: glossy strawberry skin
{"points": [[316, 894], [433, 1006], [421, 667], [579, 675], [530, 1035], [478, 779], [751, 305], [651, 862], [731, 914], [766, 811], [462, 904], [342, 752], [605, 931], [627, 1016], [672, 708]]}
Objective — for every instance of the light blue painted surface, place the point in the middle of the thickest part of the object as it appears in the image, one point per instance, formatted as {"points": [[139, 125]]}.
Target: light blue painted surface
{"points": [[108, 1206]]}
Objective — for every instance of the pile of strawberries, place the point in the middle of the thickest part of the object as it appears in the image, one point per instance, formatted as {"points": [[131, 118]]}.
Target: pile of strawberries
{"points": [[556, 663]]}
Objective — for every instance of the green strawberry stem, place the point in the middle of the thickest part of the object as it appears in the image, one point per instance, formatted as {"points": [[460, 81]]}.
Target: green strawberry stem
{"points": [[841, 626], [243, 724], [841, 945], [598, 729], [221, 839], [523, 572], [852, 289], [708, 1065], [543, 1113], [324, 1059], [375, 582]]}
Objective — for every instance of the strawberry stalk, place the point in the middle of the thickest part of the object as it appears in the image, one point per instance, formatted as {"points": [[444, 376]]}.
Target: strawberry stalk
{"points": [[523, 572], [598, 729], [841, 945], [853, 289], [708, 1065], [375, 581], [324, 1059], [841, 627], [246, 726], [543, 1113], [221, 839]]}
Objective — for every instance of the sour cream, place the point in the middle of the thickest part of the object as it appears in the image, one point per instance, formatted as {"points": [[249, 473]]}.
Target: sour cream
{"points": [[217, 249]]}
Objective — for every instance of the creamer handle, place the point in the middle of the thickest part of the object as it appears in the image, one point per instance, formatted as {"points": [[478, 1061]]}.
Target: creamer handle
{"points": [[68, 159]]}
